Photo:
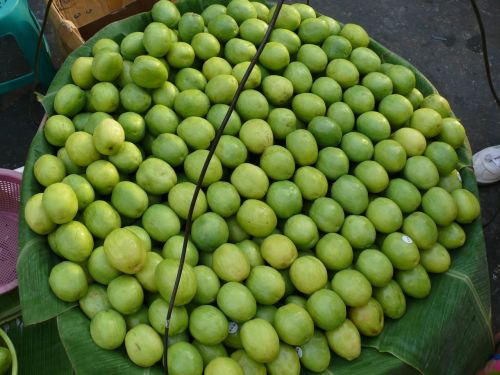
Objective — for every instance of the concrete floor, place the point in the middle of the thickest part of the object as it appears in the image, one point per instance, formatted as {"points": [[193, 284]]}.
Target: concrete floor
{"points": [[439, 37]]}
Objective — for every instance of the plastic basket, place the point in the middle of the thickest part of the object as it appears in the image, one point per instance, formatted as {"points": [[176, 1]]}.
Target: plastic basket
{"points": [[10, 188]]}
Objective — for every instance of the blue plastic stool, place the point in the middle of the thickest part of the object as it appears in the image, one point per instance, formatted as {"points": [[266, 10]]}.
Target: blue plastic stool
{"points": [[16, 19]]}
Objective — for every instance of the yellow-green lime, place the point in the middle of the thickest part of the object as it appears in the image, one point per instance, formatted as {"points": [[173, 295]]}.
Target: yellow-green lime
{"points": [[68, 282], [81, 72], [106, 66], [49, 169], [132, 46], [69, 100]]}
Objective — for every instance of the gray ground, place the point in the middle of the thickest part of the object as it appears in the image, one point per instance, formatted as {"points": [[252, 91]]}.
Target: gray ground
{"points": [[439, 37]]}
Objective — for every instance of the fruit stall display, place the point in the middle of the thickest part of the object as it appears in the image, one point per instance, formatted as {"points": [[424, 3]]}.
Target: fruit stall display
{"points": [[337, 227]]}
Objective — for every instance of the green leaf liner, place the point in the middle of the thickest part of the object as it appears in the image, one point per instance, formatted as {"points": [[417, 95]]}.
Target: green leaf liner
{"points": [[38, 348], [449, 332]]}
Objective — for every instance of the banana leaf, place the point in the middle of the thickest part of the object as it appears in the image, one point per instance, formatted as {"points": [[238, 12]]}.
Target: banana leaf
{"points": [[449, 332]]}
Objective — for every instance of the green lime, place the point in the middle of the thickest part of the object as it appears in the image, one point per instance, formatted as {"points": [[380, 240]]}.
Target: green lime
{"points": [[148, 72], [284, 198], [415, 282], [452, 132], [105, 44], [468, 207], [344, 72], [231, 151], [401, 251], [355, 34], [397, 109], [313, 57], [81, 72], [357, 146], [60, 202], [100, 268], [127, 159], [132, 45], [254, 79], [325, 130], [288, 17], [125, 294], [302, 230], [375, 266], [252, 105], [437, 103], [288, 38], [379, 84], [308, 274], [313, 30], [374, 125], [212, 11], [108, 329], [208, 325], [49, 169], [278, 251], [196, 131], [191, 102], [392, 300], [184, 358], [311, 182], [189, 78], [108, 137], [161, 222], [165, 94], [390, 154], [411, 139], [165, 12], [328, 89], [350, 192], [221, 89], [404, 194], [180, 197], [250, 181], [368, 319], [241, 10], [266, 284], [372, 175], [427, 121], [216, 116], [422, 229], [337, 47], [260, 340], [36, 217], [385, 215], [342, 114], [193, 165], [421, 171], [402, 78], [282, 121], [365, 59], [293, 324], [155, 176], [278, 90], [286, 362], [69, 100], [106, 66], [352, 286], [205, 46], [129, 199], [436, 259], [316, 353], [440, 206], [300, 76], [443, 156], [68, 282], [133, 125], [239, 50], [101, 218], [257, 135], [359, 231], [180, 55], [334, 251], [277, 162], [236, 302], [229, 263], [359, 98], [144, 346], [345, 341], [170, 148], [189, 25], [223, 27]]}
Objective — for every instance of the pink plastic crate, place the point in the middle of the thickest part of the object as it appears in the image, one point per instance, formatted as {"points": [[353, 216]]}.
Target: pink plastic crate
{"points": [[10, 191]]}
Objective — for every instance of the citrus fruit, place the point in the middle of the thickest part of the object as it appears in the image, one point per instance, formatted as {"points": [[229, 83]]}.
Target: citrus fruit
{"points": [[68, 282]]}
